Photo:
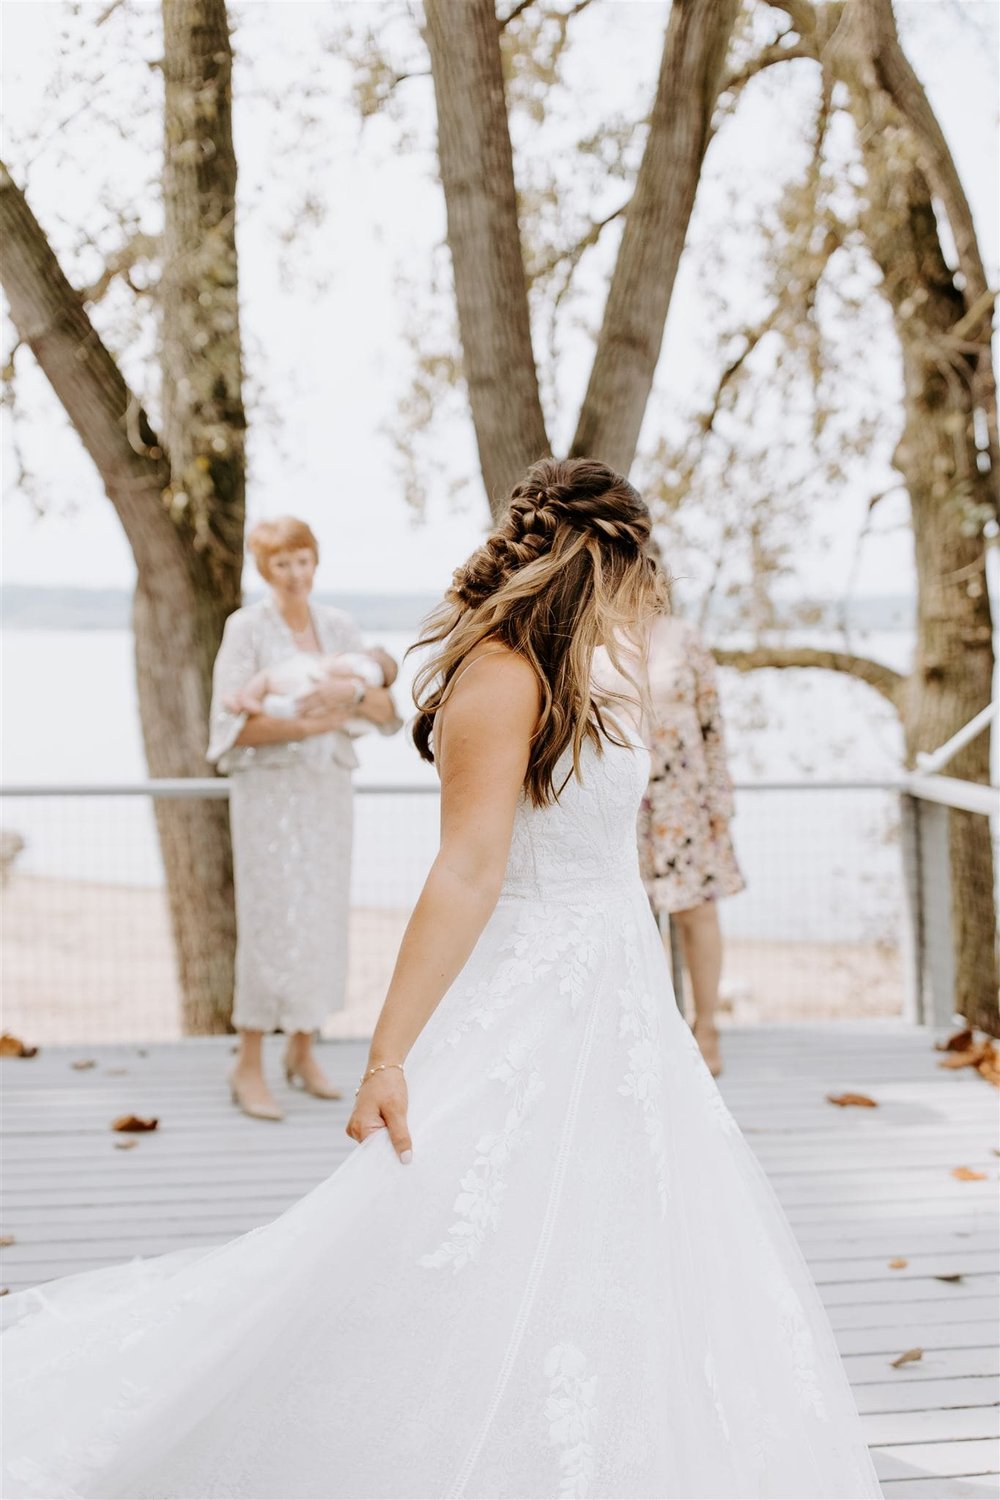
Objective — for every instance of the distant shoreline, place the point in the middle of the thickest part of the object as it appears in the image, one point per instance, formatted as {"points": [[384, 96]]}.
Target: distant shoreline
{"points": [[27, 607]]}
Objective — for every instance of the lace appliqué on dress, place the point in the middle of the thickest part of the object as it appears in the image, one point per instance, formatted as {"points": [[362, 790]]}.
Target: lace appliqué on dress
{"points": [[571, 1412]]}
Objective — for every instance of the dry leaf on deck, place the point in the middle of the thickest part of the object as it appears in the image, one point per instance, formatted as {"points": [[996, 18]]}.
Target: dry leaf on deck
{"points": [[81, 1063], [898, 1264], [966, 1174], [909, 1358], [134, 1122], [862, 1101], [951, 1276], [7, 1239], [989, 1065], [959, 1041], [4, 1290], [12, 1046], [969, 1057], [126, 1144]]}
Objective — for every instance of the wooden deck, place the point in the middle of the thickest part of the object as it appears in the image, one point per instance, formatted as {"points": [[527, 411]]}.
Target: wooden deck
{"points": [[862, 1188]]}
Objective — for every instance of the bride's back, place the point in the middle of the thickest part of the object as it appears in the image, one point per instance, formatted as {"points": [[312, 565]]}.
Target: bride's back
{"points": [[583, 845]]}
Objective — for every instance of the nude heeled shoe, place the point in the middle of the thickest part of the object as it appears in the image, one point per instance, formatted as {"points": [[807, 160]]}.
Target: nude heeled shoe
{"points": [[323, 1091], [255, 1111]]}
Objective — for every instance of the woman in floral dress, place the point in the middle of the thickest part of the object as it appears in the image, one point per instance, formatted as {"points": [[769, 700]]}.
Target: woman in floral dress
{"points": [[684, 842]]}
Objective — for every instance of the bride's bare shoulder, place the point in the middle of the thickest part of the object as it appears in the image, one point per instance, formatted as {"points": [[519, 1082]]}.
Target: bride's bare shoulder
{"points": [[494, 691], [496, 665]]}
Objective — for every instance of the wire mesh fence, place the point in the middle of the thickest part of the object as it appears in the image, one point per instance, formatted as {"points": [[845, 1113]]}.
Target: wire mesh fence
{"points": [[87, 952]]}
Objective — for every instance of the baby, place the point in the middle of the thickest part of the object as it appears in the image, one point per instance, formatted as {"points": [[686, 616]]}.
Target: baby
{"points": [[278, 690]]}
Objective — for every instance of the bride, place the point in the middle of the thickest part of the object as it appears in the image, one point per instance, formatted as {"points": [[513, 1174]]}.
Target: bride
{"points": [[552, 1267]]}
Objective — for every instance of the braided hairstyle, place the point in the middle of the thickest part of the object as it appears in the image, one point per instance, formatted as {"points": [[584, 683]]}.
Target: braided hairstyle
{"points": [[567, 570]]}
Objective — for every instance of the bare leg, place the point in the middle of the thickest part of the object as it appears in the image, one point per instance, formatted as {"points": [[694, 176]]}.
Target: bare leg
{"points": [[701, 942], [247, 1081], [301, 1062]]}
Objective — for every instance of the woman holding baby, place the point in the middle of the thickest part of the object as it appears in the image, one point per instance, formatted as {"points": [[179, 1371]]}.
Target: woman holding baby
{"points": [[292, 686]]}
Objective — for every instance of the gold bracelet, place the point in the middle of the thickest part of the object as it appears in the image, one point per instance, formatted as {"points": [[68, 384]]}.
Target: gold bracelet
{"points": [[378, 1068]]}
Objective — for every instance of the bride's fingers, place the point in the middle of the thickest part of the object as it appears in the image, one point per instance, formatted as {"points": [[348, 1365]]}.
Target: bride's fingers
{"points": [[395, 1119]]}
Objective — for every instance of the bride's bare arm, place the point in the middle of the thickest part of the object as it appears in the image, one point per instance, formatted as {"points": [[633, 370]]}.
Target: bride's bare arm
{"points": [[482, 738]]}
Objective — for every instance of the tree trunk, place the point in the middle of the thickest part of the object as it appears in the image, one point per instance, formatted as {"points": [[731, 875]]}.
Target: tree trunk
{"points": [[477, 173], [180, 500], [656, 225], [204, 427], [892, 72], [938, 458]]}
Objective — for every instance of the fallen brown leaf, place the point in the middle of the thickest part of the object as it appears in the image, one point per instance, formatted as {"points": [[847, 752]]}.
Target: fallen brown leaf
{"points": [[7, 1239], [959, 1041], [966, 1174], [898, 1264], [134, 1123], [862, 1101], [952, 1276], [971, 1057], [989, 1065], [12, 1046], [126, 1144], [910, 1357], [80, 1063], [4, 1291]]}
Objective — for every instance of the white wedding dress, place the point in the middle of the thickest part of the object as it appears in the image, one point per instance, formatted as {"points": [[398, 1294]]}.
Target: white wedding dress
{"points": [[583, 1284]]}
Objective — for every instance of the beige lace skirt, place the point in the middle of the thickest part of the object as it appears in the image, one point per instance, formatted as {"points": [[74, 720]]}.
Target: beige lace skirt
{"points": [[291, 829]]}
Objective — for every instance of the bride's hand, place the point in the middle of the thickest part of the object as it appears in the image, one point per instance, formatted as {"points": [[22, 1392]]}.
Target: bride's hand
{"points": [[381, 1104]]}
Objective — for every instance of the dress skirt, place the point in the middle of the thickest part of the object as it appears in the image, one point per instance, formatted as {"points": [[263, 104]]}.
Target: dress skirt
{"points": [[291, 832]]}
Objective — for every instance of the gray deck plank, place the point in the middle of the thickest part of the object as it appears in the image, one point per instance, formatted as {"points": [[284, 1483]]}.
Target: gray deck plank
{"points": [[860, 1187]]}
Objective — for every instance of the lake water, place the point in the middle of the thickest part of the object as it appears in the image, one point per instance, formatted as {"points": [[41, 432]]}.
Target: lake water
{"points": [[821, 866]]}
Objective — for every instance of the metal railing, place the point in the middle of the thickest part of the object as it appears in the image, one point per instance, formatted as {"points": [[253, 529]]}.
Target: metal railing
{"points": [[843, 913]]}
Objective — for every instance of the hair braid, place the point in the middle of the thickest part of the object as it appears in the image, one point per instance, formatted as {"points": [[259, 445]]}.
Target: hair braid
{"points": [[566, 570]]}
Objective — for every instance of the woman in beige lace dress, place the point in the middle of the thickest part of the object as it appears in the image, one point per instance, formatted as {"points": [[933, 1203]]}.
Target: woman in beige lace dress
{"points": [[290, 805], [685, 847]]}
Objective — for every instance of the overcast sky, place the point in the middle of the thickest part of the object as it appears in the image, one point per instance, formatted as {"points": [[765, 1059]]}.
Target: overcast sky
{"points": [[332, 363]]}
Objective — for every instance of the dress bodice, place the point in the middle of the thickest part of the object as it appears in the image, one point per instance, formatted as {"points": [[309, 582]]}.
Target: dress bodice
{"points": [[586, 841]]}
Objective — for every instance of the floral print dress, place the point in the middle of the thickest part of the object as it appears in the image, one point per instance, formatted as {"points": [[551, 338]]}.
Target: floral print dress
{"points": [[685, 848]]}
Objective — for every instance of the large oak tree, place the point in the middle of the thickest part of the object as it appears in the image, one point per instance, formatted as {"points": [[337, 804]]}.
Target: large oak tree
{"points": [[178, 492]]}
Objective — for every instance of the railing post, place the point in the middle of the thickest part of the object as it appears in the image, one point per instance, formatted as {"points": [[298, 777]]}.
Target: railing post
{"points": [[912, 935], [939, 940], [928, 942]]}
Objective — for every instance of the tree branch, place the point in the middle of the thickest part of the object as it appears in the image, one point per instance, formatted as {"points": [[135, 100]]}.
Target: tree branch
{"points": [[882, 678], [518, 10], [694, 54], [573, 253], [49, 317], [766, 58], [139, 247], [477, 174]]}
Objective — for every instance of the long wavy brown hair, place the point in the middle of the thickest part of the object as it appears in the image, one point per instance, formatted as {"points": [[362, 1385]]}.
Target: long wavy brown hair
{"points": [[567, 570]]}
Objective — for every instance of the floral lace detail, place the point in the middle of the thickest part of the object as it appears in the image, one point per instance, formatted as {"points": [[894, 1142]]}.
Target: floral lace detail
{"points": [[571, 1412], [484, 1184], [570, 950], [536, 946]]}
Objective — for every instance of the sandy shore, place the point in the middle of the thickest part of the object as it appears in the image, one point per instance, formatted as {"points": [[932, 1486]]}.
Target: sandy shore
{"points": [[94, 963]]}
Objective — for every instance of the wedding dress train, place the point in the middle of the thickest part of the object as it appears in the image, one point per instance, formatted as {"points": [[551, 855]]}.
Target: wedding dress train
{"points": [[583, 1284]]}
